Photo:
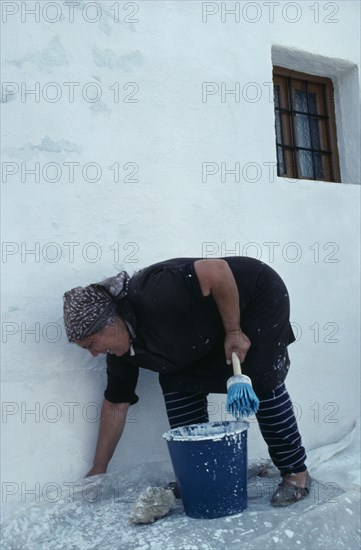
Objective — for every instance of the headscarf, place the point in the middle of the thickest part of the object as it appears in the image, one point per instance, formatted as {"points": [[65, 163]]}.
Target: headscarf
{"points": [[89, 309]]}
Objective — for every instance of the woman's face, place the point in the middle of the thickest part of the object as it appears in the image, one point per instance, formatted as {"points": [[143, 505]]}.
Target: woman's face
{"points": [[112, 339]]}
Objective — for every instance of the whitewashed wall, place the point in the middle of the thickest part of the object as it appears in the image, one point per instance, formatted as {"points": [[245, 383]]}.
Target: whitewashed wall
{"points": [[126, 92]]}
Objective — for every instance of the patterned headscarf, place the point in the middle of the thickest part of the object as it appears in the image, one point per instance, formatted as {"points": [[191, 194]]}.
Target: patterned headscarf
{"points": [[89, 309]]}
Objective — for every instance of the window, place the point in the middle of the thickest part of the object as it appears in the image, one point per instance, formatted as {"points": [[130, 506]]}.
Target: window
{"points": [[305, 126]]}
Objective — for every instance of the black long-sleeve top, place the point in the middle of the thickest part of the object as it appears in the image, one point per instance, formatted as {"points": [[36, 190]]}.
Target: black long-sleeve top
{"points": [[180, 335]]}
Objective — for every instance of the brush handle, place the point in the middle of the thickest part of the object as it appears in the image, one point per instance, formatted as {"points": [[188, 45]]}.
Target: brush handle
{"points": [[236, 364]]}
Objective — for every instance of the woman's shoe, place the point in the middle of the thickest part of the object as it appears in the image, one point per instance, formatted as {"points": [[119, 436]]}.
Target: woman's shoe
{"points": [[289, 491]]}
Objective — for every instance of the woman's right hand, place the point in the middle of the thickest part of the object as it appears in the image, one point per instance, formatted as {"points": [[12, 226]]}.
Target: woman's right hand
{"points": [[112, 422], [96, 470]]}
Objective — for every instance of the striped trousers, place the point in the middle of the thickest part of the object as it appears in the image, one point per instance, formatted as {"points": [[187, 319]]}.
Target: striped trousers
{"points": [[275, 416]]}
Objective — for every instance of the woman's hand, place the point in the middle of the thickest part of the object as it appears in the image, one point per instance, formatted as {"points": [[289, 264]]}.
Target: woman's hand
{"points": [[237, 341], [94, 471]]}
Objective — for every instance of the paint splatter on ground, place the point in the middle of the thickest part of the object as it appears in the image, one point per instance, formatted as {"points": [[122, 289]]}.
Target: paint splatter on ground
{"points": [[97, 517]]}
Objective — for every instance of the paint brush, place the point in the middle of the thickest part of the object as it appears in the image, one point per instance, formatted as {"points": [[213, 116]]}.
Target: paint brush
{"points": [[241, 399]]}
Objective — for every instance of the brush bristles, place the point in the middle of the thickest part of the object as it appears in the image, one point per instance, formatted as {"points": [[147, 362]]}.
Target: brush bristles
{"points": [[241, 400]]}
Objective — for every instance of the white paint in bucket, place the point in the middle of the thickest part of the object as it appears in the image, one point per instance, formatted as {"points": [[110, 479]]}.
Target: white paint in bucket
{"points": [[207, 430]]}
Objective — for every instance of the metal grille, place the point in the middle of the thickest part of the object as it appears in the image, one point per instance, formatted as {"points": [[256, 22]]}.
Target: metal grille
{"points": [[302, 124]]}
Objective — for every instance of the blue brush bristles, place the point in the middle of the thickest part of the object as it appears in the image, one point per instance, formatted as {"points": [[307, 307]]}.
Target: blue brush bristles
{"points": [[241, 400]]}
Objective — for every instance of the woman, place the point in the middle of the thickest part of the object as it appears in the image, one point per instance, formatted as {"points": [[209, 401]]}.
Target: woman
{"points": [[183, 318]]}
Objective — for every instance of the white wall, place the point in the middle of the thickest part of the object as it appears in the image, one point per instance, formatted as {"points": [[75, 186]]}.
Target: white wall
{"points": [[169, 212]]}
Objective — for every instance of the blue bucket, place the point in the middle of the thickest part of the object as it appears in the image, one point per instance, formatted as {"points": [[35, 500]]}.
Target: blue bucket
{"points": [[210, 466]]}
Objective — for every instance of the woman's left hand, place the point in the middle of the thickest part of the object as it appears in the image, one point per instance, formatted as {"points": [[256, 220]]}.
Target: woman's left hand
{"points": [[237, 341]]}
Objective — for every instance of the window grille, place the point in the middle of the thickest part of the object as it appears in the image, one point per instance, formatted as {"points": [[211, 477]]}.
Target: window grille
{"points": [[305, 126]]}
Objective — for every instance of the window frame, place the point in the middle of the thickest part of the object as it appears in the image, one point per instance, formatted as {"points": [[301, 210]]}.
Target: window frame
{"points": [[329, 134]]}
